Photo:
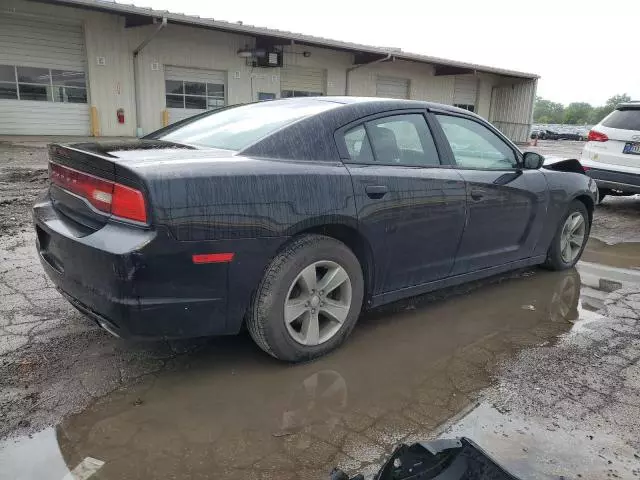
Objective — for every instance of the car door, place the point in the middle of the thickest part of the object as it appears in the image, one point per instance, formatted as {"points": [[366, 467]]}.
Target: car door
{"points": [[506, 203], [411, 208]]}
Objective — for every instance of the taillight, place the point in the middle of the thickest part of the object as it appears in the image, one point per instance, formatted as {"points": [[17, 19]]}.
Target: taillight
{"points": [[104, 195], [128, 203], [595, 136]]}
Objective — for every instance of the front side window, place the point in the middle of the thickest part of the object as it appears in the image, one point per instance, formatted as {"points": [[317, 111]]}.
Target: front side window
{"points": [[194, 95], [475, 146], [394, 140]]}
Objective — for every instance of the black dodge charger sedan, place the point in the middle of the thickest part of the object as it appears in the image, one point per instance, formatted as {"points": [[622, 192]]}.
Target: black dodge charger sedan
{"points": [[290, 216]]}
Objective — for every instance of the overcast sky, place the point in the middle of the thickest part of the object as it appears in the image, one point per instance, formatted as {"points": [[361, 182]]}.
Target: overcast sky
{"points": [[583, 50]]}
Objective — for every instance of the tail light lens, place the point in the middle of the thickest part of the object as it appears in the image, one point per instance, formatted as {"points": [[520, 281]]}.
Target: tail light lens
{"points": [[106, 196], [595, 136]]}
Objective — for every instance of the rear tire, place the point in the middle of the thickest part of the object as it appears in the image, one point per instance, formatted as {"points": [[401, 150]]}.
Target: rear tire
{"points": [[291, 316], [570, 239]]}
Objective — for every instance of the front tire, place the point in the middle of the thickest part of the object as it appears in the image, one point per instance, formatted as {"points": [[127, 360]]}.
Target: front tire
{"points": [[570, 239], [308, 300]]}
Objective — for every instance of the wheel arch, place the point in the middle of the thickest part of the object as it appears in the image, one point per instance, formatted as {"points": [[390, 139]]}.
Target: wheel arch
{"points": [[587, 200], [347, 233]]}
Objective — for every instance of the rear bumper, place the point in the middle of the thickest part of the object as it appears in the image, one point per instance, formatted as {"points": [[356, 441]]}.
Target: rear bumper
{"points": [[609, 179], [135, 283]]}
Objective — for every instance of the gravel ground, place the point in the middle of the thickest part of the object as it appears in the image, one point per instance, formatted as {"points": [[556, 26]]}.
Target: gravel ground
{"points": [[54, 363]]}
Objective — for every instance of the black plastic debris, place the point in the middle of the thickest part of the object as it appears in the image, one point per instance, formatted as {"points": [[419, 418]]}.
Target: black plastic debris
{"points": [[457, 459]]}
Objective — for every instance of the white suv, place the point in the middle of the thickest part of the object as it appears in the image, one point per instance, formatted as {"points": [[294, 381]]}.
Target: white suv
{"points": [[611, 155]]}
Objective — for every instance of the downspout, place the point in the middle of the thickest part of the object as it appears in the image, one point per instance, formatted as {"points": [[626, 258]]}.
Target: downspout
{"points": [[355, 67], [136, 52]]}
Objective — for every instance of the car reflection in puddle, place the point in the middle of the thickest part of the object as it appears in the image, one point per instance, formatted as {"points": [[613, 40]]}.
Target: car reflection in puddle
{"points": [[232, 412]]}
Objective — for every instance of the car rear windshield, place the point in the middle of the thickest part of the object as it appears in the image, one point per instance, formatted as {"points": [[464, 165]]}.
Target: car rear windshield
{"points": [[626, 119], [239, 127]]}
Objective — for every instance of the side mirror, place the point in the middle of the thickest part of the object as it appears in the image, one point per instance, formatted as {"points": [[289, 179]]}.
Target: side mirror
{"points": [[532, 160]]}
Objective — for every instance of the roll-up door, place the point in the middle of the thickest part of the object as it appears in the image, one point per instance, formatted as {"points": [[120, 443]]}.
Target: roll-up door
{"points": [[302, 82], [391, 87], [465, 92], [43, 87], [190, 91]]}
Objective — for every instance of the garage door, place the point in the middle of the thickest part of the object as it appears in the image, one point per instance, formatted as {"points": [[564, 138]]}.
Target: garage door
{"points": [[391, 87], [43, 87], [464, 93], [190, 91], [302, 82]]}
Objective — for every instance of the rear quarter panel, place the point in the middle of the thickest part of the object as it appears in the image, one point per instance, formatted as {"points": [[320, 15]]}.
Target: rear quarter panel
{"points": [[247, 206], [242, 197]]}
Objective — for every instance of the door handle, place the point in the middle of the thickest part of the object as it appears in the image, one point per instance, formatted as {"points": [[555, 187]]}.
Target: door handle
{"points": [[376, 191], [477, 195]]}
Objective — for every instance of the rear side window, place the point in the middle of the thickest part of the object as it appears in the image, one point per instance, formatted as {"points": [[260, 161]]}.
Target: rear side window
{"points": [[623, 119], [358, 145], [394, 140]]}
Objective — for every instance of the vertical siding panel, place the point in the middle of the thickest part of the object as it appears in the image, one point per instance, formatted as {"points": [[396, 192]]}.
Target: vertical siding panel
{"points": [[31, 40], [111, 85], [484, 94], [511, 109], [334, 63]]}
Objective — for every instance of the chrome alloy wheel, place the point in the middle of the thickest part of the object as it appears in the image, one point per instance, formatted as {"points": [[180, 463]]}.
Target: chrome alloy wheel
{"points": [[317, 303], [572, 237]]}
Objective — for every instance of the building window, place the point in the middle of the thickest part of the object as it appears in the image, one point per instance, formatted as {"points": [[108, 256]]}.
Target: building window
{"points": [[42, 84], [195, 95], [34, 84], [68, 86], [299, 93], [8, 85], [465, 106]]}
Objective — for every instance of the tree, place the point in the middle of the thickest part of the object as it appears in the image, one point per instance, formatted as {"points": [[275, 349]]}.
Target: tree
{"points": [[601, 112], [577, 113], [598, 114], [546, 111], [616, 99]]}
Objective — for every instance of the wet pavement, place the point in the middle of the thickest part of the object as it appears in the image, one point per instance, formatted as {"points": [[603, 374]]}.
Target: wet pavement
{"points": [[541, 369]]}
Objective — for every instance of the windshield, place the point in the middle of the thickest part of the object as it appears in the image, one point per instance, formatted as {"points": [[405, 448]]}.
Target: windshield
{"points": [[237, 128]]}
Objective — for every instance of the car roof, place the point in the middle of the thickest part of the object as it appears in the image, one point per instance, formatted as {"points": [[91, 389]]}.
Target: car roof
{"points": [[382, 103]]}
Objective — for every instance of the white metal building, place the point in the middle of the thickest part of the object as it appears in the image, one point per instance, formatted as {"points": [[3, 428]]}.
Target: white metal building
{"points": [[91, 67]]}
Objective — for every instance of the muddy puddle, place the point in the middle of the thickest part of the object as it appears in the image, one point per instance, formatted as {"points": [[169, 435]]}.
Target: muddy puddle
{"points": [[407, 373]]}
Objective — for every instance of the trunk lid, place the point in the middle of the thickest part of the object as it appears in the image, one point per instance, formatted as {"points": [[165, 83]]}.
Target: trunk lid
{"points": [[98, 164]]}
